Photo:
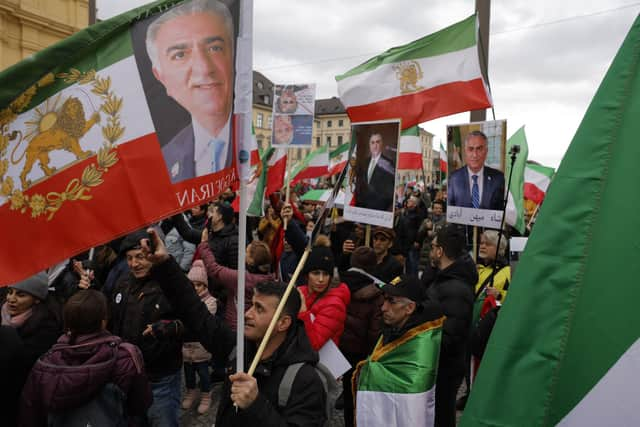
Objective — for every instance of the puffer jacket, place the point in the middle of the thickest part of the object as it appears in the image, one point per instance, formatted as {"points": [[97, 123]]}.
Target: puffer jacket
{"points": [[69, 375], [224, 245], [363, 322], [228, 279], [325, 314], [194, 352]]}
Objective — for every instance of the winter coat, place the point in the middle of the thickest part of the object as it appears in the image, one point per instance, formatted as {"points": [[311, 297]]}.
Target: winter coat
{"points": [[135, 304], [37, 334], [453, 289], [70, 375], [325, 314], [228, 278], [224, 245], [180, 249], [194, 352], [363, 322], [12, 379], [388, 269], [407, 230], [500, 280], [306, 405], [190, 231]]}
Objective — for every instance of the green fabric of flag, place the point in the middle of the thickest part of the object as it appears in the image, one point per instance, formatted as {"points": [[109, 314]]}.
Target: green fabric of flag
{"points": [[257, 202], [515, 204], [565, 350], [397, 381]]}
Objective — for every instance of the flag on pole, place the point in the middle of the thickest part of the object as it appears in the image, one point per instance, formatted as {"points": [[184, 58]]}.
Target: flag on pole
{"points": [[82, 135], [396, 384], [536, 181], [315, 165], [410, 156], [515, 201], [432, 77], [564, 350], [277, 167], [443, 159], [258, 185], [338, 159]]}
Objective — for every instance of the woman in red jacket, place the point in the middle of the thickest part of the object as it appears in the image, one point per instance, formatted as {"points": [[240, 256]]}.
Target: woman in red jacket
{"points": [[324, 306]]}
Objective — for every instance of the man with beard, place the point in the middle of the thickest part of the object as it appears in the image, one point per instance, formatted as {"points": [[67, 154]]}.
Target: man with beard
{"points": [[251, 400]]}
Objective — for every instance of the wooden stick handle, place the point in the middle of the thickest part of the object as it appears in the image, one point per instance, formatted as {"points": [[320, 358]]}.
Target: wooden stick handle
{"points": [[276, 315]]}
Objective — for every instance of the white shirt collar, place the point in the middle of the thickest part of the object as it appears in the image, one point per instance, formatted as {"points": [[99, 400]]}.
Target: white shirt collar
{"points": [[203, 151]]}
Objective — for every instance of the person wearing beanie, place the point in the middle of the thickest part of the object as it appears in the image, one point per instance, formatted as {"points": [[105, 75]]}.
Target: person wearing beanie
{"points": [[324, 304], [38, 322], [196, 358], [364, 318]]}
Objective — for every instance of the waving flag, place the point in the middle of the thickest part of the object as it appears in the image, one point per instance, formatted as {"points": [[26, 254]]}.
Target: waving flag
{"points": [[338, 159], [434, 76], [410, 156], [82, 136], [572, 359], [536, 181], [443, 159], [515, 201], [277, 167], [315, 165]]}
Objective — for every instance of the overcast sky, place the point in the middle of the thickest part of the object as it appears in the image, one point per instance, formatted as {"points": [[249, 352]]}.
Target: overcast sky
{"points": [[546, 57]]}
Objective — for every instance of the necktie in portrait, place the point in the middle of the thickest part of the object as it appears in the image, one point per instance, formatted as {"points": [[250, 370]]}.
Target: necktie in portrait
{"points": [[475, 192]]}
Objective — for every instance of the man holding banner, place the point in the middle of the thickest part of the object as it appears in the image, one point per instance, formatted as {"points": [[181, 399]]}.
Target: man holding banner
{"points": [[251, 400], [191, 52]]}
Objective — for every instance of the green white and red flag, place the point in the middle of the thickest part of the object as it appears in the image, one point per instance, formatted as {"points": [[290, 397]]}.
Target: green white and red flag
{"points": [[564, 351], [443, 159], [396, 384], [338, 159], [536, 181], [83, 124], [315, 165], [432, 77], [514, 214], [410, 155], [277, 168]]}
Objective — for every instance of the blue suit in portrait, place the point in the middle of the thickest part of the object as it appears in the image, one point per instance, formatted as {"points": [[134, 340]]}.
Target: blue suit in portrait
{"points": [[179, 155], [459, 193]]}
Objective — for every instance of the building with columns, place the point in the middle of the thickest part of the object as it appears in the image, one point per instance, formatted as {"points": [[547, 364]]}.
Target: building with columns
{"points": [[28, 26]]}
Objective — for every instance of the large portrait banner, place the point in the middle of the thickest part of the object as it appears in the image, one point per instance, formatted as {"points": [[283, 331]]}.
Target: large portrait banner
{"points": [[369, 196], [476, 182]]}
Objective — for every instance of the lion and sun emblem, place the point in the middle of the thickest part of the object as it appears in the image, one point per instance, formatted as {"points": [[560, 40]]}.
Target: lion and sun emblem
{"points": [[60, 123]]}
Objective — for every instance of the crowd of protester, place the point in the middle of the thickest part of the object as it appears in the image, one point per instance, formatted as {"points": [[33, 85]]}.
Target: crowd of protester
{"points": [[146, 324]]}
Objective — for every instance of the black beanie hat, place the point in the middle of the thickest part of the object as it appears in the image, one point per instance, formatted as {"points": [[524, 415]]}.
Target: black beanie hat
{"points": [[132, 241], [320, 258]]}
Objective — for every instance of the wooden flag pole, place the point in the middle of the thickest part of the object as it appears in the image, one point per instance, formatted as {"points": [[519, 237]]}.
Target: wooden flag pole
{"points": [[533, 216], [475, 244], [276, 315], [367, 235]]}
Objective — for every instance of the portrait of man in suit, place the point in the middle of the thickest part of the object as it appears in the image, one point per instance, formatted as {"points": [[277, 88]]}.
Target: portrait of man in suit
{"points": [[476, 185], [191, 48], [376, 179]]}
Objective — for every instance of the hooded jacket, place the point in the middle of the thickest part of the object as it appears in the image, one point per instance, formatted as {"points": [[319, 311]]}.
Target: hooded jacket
{"points": [[306, 405], [363, 322], [224, 245], [325, 314], [68, 376], [453, 289]]}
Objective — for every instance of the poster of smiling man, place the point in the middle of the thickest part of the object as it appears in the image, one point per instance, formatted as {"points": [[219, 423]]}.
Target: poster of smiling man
{"points": [[186, 59], [373, 174], [476, 184], [293, 111]]}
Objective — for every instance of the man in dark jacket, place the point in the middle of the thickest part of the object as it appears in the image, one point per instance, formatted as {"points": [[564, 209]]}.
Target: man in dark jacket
{"points": [[255, 397], [407, 232], [142, 315], [388, 267], [451, 283]]}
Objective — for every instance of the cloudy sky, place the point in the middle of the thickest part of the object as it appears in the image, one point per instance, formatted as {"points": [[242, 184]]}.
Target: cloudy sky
{"points": [[546, 58]]}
